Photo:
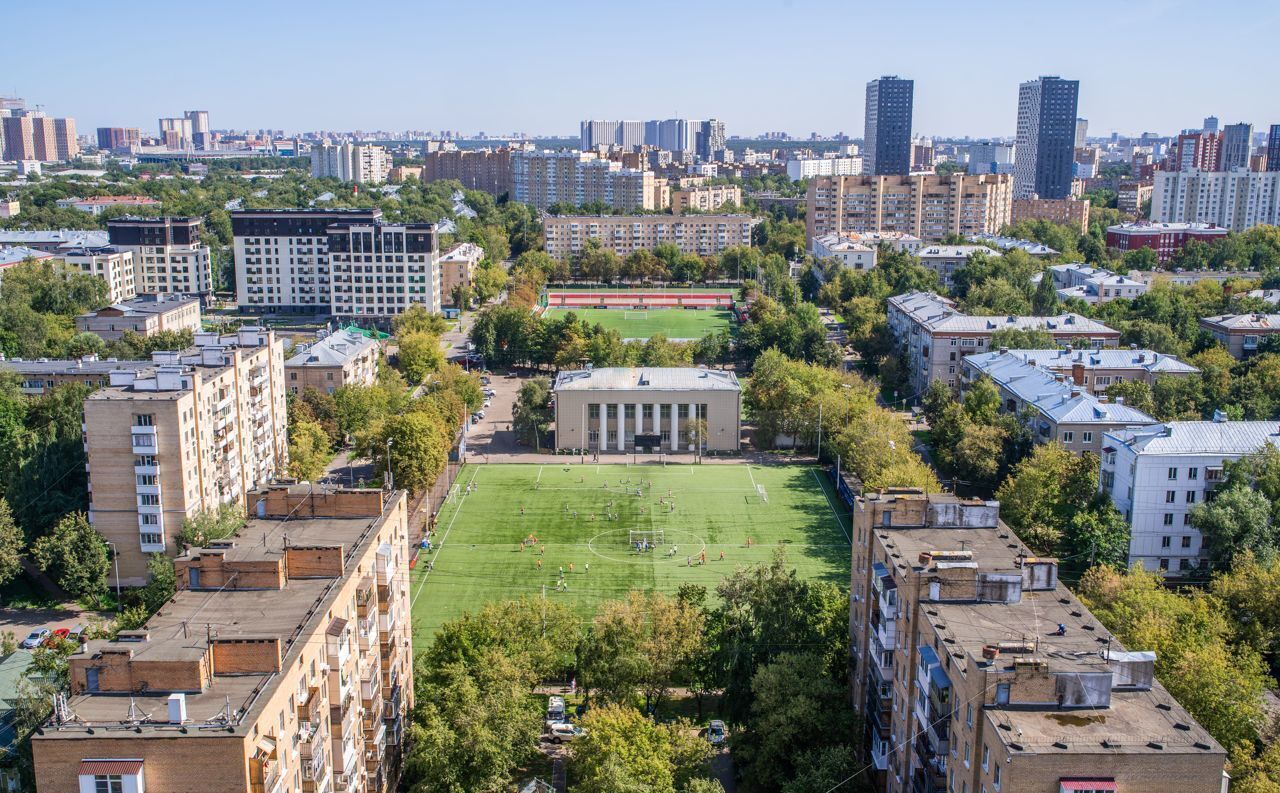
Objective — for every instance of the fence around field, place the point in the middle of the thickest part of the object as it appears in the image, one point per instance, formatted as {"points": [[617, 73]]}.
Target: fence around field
{"points": [[639, 300]]}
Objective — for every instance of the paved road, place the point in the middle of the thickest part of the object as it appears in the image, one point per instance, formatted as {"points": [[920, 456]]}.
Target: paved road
{"points": [[493, 435]]}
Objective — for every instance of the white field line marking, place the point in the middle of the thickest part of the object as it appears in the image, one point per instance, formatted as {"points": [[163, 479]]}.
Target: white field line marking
{"points": [[440, 547], [831, 507], [539, 479], [754, 486]]}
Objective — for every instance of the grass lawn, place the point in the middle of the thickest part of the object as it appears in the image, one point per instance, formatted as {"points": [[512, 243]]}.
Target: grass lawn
{"points": [[716, 510], [676, 323]]}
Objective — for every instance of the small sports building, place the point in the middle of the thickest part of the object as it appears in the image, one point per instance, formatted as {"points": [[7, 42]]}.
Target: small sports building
{"points": [[647, 409]]}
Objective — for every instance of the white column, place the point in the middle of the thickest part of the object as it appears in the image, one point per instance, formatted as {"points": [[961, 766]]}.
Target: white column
{"points": [[622, 413], [693, 413], [639, 419], [675, 426]]}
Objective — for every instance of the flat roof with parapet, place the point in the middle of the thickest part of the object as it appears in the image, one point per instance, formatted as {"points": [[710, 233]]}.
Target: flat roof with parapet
{"points": [[1134, 720], [180, 630], [646, 378]]}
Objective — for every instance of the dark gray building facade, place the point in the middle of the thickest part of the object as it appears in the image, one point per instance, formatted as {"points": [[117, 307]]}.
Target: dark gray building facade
{"points": [[887, 134]]}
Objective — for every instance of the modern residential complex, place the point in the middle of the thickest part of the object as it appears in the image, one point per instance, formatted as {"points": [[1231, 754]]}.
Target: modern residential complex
{"points": [[34, 136], [282, 663], [704, 235], [1235, 200], [113, 265], [201, 428], [677, 135], [1156, 475], [344, 357], [887, 128], [118, 140], [458, 268], [1237, 147], [626, 409], [1273, 148], [705, 197], [168, 256], [1242, 334], [578, 178], [1053, 405], [145, 315], [808, 167], [964, 684], [927, 206], [1072, 212], [1165, 239], [1093, 285], [935, 336], [346, 263], [1095, 370], [1046, 134], [350, 162]]}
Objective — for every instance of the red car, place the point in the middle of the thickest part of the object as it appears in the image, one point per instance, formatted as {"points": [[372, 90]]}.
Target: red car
{"points": [[60, 634]]}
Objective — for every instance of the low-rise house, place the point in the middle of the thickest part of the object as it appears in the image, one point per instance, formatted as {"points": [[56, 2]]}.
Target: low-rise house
{"points": [[1035, 250], [1097, 370], [851, 253], [458, 268], [345, 357], [946, 259], [1242, 334], [1056, 408], [1093, 285], [145, 315]]}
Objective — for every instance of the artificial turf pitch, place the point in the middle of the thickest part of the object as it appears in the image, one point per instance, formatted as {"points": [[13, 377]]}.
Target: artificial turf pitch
{"points": [[674, 323], [479, 557]]}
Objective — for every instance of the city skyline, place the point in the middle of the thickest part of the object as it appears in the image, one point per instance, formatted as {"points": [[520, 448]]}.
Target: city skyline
{"points": [[452, 84]]}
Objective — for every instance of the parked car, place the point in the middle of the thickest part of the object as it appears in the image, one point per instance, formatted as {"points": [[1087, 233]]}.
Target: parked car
{"points": [[716, 732], [484, 380], [480, 414], [555, 709], [488, 403], [475, 418], [561, 731], [56, 636], [77, 634], [35, 639]]}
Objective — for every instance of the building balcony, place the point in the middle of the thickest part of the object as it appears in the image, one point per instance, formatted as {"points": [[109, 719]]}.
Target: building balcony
{"points": [[146, 470]]}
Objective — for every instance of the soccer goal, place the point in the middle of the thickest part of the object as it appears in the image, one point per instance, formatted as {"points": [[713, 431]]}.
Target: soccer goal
{"points": [[453, 493], [651, 537], [764, 496], [640, 314]]}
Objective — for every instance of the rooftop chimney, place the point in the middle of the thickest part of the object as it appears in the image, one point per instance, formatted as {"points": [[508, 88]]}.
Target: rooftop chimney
{"points": [[1077, 373], [1219, 417]]}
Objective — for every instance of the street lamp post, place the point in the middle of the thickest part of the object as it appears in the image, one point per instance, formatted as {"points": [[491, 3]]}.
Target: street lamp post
{"points": [[115, 558], [391, 477]]}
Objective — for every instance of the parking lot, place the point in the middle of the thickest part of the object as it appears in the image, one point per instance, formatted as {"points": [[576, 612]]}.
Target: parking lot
{"points": [[492, 435]]}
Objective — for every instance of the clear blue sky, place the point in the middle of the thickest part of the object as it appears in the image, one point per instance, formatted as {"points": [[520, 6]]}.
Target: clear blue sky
{"points": [[791, 65]]}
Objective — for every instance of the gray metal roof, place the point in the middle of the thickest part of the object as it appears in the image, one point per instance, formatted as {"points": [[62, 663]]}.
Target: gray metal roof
{"points": [[1200, 437], [646, 378], [1263, 322], [1065, 358], [939, 315], [1063, 402], [333, 350]]}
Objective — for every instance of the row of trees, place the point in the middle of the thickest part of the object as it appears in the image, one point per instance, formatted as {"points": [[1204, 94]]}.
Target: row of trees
{"points": [[771, 653]]}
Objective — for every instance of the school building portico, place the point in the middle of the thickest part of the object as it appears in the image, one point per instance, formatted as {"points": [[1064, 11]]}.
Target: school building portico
{"points": [[647, 409]]}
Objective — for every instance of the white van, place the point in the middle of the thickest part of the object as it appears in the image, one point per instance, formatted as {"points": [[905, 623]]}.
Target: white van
{"points": [[555, 709]]}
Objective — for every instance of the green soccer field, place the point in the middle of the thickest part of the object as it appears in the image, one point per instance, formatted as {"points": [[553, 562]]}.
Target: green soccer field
{"points": [[674, 323], [583, 515]]}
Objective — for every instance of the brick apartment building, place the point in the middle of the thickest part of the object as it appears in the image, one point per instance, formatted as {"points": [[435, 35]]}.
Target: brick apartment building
{"points": [[924, 205], [282, 665]]}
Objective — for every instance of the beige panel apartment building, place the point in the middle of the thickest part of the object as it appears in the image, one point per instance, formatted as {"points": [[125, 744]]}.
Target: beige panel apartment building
{"points": [[704, 235], [458, 268], [605, 410], [705, 198], [924, 205], [341, 358], [200, 429], [975, 669], [282, 665], [145, 315]]}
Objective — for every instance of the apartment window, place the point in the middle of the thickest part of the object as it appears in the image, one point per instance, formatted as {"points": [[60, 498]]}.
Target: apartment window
{"points": [[147, 479], [1170, 496], [1168, 518], [108, 783], [1166, 542], [968, 715], [151, 538], [995, 776], [1193, 473], [966, 754], [1068, 437], [144, 420], [1164, 564], [1186, 542], [148, 499], [1186, 519], [986, 756], [1087, 437], [145, 459], [1191, 496], [1173, 474]]}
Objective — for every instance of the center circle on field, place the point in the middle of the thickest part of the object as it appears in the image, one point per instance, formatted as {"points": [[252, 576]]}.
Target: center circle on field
{"points": [[657, 555]]}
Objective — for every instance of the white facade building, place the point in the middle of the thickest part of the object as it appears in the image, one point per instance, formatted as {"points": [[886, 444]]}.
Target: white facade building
{"points": [[1156, 475], [946, 259], [806, 167], [350, 162], [1235, 200], [1092, 284], [850, 252]]}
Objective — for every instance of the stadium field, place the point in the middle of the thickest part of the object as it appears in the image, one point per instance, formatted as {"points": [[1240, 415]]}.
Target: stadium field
{"points": [[584, 516], [674, 323]]}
